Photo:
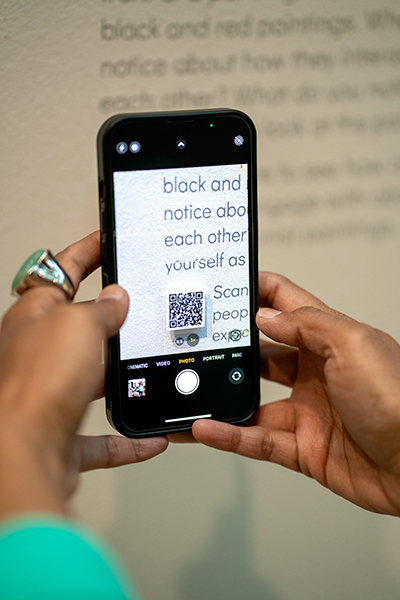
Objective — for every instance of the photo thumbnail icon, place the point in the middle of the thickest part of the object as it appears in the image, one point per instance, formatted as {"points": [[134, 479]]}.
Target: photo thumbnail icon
{"points": [[136, 388]]}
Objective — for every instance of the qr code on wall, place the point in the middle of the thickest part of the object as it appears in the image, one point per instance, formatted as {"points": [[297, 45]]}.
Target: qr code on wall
{"points": [[185, 310]]}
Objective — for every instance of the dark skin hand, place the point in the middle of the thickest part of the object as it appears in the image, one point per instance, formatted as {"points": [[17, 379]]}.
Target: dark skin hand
{"points": [[341, 423], [50, 369]]}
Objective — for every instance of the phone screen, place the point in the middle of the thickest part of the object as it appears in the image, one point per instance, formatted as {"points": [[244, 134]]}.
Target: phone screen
{"points": [[178, 229]]}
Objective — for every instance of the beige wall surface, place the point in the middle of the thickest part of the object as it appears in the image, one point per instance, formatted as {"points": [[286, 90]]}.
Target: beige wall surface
{"points": [[321, 79]]}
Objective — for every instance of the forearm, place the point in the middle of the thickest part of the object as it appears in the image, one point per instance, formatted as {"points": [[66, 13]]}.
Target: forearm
{"points": [[27, 481]]}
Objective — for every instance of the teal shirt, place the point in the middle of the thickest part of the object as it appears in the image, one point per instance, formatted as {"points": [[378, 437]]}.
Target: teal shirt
{"points": [[46, 558]]}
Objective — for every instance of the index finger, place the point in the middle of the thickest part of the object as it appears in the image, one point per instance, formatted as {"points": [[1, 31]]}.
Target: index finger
{"points": [[278, 292], [79, 260]]}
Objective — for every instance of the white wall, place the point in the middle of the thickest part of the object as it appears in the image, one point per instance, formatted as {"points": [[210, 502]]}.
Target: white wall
{"points": [[324, 93]]}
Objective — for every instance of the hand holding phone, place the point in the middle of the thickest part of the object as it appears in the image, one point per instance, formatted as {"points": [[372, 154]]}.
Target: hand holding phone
{"points": [[178, 229]]}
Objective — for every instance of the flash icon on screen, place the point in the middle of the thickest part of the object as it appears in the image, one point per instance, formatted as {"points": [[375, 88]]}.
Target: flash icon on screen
{"points": [[122, 148]]}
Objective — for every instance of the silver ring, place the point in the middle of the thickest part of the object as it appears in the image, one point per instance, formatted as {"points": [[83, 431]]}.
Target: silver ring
{"points": [[41, 268]]}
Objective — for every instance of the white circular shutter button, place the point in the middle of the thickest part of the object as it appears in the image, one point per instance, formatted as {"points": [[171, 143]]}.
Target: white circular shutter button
{"points": [[187, 381]]}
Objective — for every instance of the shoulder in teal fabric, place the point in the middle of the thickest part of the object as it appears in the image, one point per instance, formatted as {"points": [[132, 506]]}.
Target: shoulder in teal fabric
{"points": [[51, 558]]}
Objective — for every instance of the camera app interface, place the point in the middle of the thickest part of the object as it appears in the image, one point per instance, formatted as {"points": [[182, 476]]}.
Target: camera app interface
{"points": [[182, 247], [182, 240]]}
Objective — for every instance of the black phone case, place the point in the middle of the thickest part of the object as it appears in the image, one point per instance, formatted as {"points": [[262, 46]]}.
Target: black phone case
{"points": [[108, 257]]}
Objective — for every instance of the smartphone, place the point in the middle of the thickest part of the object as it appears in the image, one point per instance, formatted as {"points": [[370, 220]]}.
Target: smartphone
{"points": [[178, 225]]}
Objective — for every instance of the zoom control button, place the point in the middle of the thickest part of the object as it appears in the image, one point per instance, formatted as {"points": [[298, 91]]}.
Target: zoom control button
{"points": [[193, 339], [187, 381], [236, 376]]}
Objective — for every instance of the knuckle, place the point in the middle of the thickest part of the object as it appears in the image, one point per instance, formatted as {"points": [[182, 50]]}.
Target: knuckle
{"points": [[266, 446], [8, 319], [236, 439], [359, 336], [112, 452], [307, 310], [34, 304]]}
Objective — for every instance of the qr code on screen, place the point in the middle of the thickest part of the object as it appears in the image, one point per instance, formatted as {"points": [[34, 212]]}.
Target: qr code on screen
{"points": [[186, 310]]}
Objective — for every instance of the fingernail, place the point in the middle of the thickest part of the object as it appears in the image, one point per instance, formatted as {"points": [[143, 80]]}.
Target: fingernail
{"points": [[111, 292], [268, 313]]}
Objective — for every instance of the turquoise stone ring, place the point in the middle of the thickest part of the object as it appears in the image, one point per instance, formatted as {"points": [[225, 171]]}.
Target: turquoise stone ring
{"points": [[41, 268]]}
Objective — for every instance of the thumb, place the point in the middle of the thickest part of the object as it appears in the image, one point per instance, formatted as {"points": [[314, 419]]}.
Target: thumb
{"points": [[110, 308]]}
